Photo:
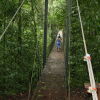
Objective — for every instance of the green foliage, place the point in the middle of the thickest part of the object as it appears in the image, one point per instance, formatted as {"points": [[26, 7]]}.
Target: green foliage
{"points": [[21, 47], [90, 13], [57, 13]]}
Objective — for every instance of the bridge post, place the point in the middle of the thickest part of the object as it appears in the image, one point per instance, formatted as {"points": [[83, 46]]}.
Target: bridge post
{"points": [[45, 32]]}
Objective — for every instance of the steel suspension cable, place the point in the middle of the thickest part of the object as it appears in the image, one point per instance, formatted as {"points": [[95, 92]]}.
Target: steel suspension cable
{"points": [[11, 20], [88, 59], [69, 76], [69, 27]]}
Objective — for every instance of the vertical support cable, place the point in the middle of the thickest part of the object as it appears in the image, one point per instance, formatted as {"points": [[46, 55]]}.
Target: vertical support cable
{"points": [[45, 32], [69, 22], [89, 64], [67, 43]]}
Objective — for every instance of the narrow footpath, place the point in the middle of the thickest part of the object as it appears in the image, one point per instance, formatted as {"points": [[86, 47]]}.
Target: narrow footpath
{"points": [[51, 85], [52, 82]]}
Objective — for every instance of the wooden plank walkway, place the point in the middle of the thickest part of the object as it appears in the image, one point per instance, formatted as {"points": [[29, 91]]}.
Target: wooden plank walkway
{"points": [[52, 82]]}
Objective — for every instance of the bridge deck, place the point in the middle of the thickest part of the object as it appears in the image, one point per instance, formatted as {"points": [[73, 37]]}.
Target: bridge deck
{"points": [[51, 85], [52, 81]]}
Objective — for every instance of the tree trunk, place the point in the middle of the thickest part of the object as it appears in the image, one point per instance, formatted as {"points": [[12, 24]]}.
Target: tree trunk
{"points": [[34, 28], [67, 45], [4, 39], [19, 35], [45, 33]]}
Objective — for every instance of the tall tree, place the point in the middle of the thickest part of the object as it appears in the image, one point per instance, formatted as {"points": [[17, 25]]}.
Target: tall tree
{"points": [[45, 32], [19, 33]]}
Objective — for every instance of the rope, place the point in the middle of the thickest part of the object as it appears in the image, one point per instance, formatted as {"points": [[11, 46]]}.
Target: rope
{"points": [[85, 47], [11, 20], [88, 59]]}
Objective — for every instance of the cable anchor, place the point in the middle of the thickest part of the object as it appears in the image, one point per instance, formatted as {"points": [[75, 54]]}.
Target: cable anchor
{"points": [[87, 57], [91, 89]]}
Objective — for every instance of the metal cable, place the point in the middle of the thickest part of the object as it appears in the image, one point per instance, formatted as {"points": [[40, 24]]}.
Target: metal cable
{"points": [[69, 76], [11, 20], [69, 28]]}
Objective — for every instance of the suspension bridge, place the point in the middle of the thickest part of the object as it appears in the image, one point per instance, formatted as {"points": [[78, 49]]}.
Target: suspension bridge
{"points": [[52, 83]]}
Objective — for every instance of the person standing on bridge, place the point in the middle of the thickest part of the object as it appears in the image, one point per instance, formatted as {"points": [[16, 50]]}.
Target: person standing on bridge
{"points": [[58, 42]]}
